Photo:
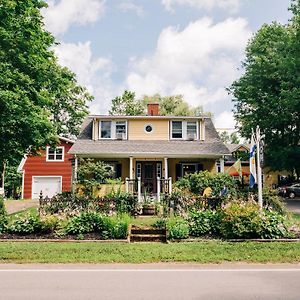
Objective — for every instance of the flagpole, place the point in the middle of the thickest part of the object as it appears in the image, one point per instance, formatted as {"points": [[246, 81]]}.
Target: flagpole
{"points": [[259, 172]]}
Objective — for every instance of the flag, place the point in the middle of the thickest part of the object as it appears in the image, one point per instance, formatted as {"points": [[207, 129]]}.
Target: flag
{"points": [[238, 167], [253, 179]]}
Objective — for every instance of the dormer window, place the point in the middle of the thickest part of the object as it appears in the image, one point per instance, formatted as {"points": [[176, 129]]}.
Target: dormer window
{"points": [[184, 130], [55, 154], [110, 129]]}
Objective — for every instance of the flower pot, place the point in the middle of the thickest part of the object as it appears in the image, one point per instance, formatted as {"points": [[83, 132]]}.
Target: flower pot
{"points": [[149, 210]]}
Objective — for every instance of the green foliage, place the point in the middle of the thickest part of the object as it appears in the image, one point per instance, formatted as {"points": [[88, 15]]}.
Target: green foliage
{"points": [[196, 183], [115, 227], [246, 220], [27, 224], [50, 223], [268, 93], [204, 222], [272, 201], [3, 215], [91, 173], [126, 105], [125, 202], [38, 98], [229, 138], [177, 228], [13, 182]]}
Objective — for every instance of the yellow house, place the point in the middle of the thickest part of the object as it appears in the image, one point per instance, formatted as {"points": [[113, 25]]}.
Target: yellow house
{"points": [[151, 152]]}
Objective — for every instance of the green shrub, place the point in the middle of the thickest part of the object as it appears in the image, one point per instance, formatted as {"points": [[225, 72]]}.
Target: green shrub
{"points": [[246, 220], [49, 223], [204, 222], [3, 215], [116, 227], [125, 203], [196, 183], [178, 228], [160, 224], [273, 202], [26, 224], [86, 222]]}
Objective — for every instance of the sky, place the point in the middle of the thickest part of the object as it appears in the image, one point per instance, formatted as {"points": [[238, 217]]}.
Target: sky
{"points": [[188, 47]]}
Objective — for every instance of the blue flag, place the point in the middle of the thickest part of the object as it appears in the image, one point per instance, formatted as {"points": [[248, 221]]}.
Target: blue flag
{"points": [[252, 162]]}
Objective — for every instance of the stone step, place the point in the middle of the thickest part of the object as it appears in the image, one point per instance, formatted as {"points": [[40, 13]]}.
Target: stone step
{"points": [[147, 231], [147, 238]]}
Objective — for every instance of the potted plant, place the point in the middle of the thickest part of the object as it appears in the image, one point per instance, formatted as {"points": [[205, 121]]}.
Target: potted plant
{"points": [[149, 208]]}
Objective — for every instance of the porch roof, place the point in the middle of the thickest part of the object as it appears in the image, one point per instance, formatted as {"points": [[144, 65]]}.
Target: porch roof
{"points": [[113, 148]]}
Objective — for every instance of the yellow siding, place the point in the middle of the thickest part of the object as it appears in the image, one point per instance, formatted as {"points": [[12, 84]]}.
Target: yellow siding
{"points": [[136, 130], [271, 177]]}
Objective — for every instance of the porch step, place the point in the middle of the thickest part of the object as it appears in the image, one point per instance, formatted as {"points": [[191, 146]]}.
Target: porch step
{"points": [[146, 234]]}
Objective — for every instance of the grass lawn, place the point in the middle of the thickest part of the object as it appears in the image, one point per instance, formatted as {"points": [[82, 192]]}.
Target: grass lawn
{"points": [[199, 252]]}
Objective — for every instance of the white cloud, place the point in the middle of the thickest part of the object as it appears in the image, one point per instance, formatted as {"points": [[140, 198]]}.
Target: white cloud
{"points": [[93, 73], [129, 6], [232, 5], [198, 62], [225, 120], [61, 14]]}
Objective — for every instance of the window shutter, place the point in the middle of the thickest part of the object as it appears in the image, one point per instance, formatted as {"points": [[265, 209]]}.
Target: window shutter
{"points": [[118, 170], [178, 171]]}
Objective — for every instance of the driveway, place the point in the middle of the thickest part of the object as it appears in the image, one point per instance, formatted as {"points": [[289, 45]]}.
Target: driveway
{"points": [[293, 205], [13, 206], [152, 281]]}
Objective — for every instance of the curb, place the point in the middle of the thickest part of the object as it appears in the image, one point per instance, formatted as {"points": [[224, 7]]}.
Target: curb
{"points": [[235, 240], [63, 241]]}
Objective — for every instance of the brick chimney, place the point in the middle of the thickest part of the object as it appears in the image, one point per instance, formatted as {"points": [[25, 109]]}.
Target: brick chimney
{"points": [[153, 109]]}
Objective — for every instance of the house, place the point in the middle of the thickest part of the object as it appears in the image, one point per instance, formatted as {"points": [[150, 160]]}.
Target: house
{"points": [[151, 152], [49, 172]]}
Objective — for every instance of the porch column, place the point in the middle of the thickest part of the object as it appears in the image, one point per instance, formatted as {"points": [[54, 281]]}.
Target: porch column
{"points": [[222, 165], [166, 167], [130, 167], [74, 181]]}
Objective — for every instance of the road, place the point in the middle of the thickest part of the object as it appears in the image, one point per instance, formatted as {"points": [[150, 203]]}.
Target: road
{"points": [[293, 204], [152, 281]]}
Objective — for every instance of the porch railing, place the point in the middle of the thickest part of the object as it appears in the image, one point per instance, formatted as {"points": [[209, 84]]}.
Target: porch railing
{"points": [[134, 186]]}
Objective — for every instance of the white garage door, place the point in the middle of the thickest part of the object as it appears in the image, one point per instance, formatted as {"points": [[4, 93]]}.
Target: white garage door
{"points": [[50, 186]]}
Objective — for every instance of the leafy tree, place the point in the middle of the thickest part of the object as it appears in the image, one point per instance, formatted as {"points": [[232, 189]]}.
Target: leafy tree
{"points": [[38, 98], [268, 93], [126, 105], [91, 173], [229, 138]]}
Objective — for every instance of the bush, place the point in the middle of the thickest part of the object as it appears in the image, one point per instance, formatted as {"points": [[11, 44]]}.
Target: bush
{"points": [[3, 215], [204, 222], [273, 202], [86, 222], [246, 220], [125, 203], [115, 227], [24, 225], [177, 228], [50, 224], [196, 183]]}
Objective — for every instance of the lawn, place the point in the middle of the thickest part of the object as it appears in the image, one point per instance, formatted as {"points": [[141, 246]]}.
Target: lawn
{"points": [[197, 252]]}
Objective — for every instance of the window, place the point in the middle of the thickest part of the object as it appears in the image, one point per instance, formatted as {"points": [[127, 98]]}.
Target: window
{"points": [[111, 129], [105, 129], [148, 128], [191, 129], [189, 169], [186, 130], [158, 170], [55, 154], [176, 129]]}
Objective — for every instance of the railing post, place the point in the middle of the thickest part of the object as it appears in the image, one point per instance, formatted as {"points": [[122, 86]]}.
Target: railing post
{"points": [[170, 185], [126, 185], [139, 190], [158, 189]]}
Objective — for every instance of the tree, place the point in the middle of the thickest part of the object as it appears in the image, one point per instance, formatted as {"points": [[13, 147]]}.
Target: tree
{"points": [[229, 138], [268, 93], [126, 105], [38, 98]]}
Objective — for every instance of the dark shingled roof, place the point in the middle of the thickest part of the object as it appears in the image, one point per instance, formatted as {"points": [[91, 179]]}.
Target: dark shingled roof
{"points": [[211, 147]]}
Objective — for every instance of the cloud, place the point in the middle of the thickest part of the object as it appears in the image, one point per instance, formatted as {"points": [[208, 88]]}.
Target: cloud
{"points": [[93, 73], [198, 61], [129, 6], [62, 14], [232, 5], [225, 120]]}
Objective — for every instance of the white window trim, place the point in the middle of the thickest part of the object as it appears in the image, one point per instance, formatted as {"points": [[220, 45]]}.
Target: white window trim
{"points": [[55, 160], [113, 129], [152, 131], [184, 129]]}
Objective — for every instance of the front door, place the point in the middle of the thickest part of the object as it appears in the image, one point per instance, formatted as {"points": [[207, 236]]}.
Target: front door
{"points": [[149, 171]]}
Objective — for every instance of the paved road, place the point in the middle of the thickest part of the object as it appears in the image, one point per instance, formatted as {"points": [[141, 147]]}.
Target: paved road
{"points": [[293, 205], [156, 281]]}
